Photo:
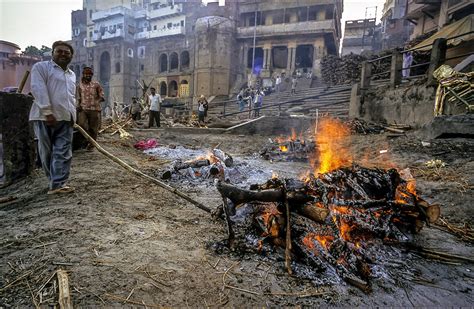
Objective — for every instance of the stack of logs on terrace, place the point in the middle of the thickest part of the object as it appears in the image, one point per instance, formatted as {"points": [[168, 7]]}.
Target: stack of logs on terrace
{"points": [[332, 217]]}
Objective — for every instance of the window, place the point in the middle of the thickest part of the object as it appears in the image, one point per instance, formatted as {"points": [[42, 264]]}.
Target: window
{"points": [[142, 67], [154, 27], [117, 67], [169, 25], [130, 52], [182, 23], [90, 14]]}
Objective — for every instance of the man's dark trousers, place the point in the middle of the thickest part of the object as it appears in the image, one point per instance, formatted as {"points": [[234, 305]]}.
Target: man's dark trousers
{"points": [[154, 116]]}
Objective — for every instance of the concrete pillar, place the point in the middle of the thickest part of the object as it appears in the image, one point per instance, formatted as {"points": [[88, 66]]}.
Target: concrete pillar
{"points": [[396, 69], [291, 57], [246, 57], [438, 56], [318, 52], [268, 20], [321, 15], [365, 75]]}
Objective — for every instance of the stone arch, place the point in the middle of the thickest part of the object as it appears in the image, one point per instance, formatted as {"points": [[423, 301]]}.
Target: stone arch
{"points": [[183, 89], [163, 89], [163, 63], [174, 61], [104, 65], [173, 89], [184, 59]]}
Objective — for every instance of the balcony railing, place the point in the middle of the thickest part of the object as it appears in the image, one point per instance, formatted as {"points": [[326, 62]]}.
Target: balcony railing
{"points": [[306, 27], [165, 11], [108, 35], [110, 12], [159, 33]]}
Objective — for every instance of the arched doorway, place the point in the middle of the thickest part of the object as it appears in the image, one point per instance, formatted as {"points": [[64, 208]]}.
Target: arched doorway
{"points": [[174, 61], [163, 63], [104, 76], [184, 89], [185, 60], [173, 89], [163, 89]]}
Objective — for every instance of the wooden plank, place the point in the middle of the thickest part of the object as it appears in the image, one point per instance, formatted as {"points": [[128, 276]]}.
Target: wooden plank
{"points": [[244, 124], [64, 295]]}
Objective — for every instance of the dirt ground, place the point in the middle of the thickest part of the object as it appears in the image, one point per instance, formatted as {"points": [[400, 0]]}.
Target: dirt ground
{"points": [[124, 240]]}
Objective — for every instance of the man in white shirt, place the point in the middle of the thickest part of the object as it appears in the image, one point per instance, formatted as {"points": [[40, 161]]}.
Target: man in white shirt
{"points": [[53, 114], [155, 104], [277, 83]]}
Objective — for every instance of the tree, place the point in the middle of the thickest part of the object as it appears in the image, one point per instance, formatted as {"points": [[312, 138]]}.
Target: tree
{"points": [[45, 49], [32, 51]]}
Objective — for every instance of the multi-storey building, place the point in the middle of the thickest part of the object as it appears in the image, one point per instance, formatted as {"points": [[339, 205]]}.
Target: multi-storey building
{"points": [[429, 15], [185, 49], [362, 35], [396, 29], [14, 65]]}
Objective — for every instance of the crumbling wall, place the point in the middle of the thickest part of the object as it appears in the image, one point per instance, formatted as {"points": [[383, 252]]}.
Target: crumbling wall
{"points": [[17, 136], [410, 104]]}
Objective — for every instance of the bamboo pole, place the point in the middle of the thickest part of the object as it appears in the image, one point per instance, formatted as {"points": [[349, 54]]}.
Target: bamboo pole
{"points": [[139, 173]]}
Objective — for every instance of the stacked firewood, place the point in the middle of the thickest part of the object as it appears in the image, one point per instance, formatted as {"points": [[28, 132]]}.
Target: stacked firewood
{"points": [[361, 126], [338, 71], [333, 220], [381, 68]]}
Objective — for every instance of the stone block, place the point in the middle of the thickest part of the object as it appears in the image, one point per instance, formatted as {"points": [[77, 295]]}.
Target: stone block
{"points": [[18, 156]]}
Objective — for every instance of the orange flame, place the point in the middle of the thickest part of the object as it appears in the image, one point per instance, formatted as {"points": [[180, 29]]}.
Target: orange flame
{"points": [[331, 135], [293, 134], [283, 148], [324, 240]]}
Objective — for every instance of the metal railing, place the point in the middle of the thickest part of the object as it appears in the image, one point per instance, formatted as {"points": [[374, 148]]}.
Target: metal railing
{"points": [[396, 69]]}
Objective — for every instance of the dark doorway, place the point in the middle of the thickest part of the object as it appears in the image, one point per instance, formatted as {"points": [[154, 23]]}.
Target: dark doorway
{"points": [[304, 56], [174, 62], [258, 65], [104, 76], [185, 60], [163, 63], [173, 89], [163, 89], [280, 57]]}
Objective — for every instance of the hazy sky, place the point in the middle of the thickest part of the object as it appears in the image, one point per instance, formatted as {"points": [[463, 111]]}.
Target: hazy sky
{"points": [[41, 22]]}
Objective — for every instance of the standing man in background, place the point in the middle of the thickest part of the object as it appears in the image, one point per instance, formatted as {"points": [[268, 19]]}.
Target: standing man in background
{"points": [[53, 114], [155, 104], [90, 95]]}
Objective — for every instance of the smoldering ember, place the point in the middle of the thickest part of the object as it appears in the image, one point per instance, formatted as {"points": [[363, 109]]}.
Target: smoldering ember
{"points": [[241, 154]]}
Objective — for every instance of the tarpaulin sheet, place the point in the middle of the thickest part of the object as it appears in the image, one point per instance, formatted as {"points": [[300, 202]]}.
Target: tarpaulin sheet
{"points": [[459, 27]]}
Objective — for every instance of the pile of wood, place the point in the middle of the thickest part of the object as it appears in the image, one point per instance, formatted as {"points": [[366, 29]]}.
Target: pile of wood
{"points": [[332, 220], [211, 166], [338, 71], [120, 127], [381, 68], [288, 150], [360, 126]]}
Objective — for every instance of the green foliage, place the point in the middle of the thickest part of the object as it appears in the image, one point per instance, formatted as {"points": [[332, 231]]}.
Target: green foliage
{"points": [[32, 51]]}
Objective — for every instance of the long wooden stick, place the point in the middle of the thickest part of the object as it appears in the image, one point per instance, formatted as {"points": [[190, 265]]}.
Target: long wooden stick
{"points": [[139, 173]]}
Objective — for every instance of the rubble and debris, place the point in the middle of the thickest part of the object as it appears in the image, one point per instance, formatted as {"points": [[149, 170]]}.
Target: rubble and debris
{"points": [[454, 87]]}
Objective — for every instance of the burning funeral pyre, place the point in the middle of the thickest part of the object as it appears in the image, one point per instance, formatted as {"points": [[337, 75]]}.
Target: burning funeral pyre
{"points": [[337, 217], [294, 148]]}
